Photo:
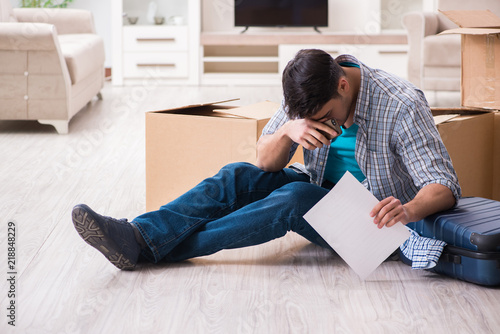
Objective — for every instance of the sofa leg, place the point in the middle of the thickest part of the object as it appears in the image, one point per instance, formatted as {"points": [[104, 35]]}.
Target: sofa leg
{"points": [[99, 96], [61, 126]]}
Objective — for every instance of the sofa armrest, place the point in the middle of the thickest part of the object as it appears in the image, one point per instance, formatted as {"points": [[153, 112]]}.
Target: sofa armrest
{"points": [[34, 78], [67, 21], [32, 39], [418, 25], [18, 36], [425, 23]]}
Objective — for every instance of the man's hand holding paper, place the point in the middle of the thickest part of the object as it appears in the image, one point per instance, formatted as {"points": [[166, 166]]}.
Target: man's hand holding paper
{"points": [[343, 219], [388, 212]]}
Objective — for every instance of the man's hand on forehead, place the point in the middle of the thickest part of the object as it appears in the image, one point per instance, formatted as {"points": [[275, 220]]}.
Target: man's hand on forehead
{"points": [[334, 125], [310, 134]]}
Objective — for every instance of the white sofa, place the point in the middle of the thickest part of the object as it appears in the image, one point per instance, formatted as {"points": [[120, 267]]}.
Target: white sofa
{"points": [[51, 64], [434, 60]]}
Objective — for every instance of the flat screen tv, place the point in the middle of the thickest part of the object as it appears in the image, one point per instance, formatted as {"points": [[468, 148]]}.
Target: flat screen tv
{"points": [[281, 13]]}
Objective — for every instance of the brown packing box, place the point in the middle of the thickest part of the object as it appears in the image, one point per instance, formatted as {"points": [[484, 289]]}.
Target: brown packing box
{"points": [[480, 30], [468, 135], [188, 144], [496, 157]]}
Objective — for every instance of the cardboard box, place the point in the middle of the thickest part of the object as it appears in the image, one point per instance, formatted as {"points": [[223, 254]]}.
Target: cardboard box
{"points": [[480, 30], [468, 135], [188, 144], [496, 159]]}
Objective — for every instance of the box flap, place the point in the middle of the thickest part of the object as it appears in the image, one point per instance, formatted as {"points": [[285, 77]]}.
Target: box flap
{"points": [[195, 105], [443, 115], [258, 111], [471, 31], [443, 118], [436, 111], [473, 18]]}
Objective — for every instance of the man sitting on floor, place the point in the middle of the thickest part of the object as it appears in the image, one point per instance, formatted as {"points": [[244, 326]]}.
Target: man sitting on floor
{"points": [[387, 139]]}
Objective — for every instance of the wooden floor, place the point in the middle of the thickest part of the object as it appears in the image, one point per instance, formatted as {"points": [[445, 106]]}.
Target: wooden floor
{"points": [[285, 286]]}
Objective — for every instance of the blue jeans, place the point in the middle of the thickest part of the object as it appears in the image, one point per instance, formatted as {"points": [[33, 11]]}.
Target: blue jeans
{"points": [[238, 207]]}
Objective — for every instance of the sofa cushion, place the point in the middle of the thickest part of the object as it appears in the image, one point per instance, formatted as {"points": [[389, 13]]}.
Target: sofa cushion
{"points": [[6, 14], [442, 50], [84, 53]]}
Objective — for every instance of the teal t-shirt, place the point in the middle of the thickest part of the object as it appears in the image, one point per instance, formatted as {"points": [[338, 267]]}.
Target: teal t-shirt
{"points": [[341, 156]]}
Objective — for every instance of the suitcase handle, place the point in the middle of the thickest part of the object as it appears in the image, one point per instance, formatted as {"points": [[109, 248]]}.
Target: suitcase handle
{"points": [[453, 258], [454, 254], [471, 253]]}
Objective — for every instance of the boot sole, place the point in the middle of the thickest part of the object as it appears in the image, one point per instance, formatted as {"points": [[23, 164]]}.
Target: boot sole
{"points": [[91, 232]]}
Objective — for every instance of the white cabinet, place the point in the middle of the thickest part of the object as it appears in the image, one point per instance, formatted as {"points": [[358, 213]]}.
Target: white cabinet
{"points": [[167, 53], [155, 65], [288, 51], [155, 38], [391, 58], [155, 52]]}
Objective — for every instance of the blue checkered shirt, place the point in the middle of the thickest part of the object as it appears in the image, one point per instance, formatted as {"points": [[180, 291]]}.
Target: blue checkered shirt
{"points": [[398, 147]]}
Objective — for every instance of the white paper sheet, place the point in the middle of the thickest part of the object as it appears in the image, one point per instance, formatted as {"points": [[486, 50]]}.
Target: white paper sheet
{"points": [[342, 218]]}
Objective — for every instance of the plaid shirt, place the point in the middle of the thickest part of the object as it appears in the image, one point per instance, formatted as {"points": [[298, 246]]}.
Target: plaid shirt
{"points": [[398, 147]]}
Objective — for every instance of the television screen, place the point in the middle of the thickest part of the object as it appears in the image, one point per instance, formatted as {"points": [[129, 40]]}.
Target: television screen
{"points": [[281, 13]]}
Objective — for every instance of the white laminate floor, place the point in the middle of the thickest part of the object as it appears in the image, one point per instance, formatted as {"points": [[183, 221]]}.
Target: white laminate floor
{"points": [[285, 286]]}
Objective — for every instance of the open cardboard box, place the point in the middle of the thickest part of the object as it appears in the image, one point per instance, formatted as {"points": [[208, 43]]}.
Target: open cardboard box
{"points": [[476, 150], [496, 159], [469, 136], [188, 144], [480, 82]]}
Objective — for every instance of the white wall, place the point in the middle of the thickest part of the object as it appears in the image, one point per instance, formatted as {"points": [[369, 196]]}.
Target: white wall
{"points": [[348, 16], [351, 16], [359, 16], [101, 10]]}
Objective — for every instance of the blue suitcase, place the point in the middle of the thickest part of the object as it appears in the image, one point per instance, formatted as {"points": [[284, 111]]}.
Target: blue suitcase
{"points": [[472, 232]]}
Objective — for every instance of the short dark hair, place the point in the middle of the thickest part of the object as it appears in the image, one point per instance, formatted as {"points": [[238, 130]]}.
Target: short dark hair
{"points": [[310, 80]]}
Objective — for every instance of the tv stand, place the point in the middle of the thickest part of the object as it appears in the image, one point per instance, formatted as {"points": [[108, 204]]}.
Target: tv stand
{"points": [[315, 29], [259, 57]]}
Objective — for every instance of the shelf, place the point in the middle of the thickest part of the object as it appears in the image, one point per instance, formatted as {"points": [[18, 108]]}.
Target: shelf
{"points": [[241, 59], [242, 67], [241, 78], [223, 50], [131, 26], [273, 39], [168, 9]]}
